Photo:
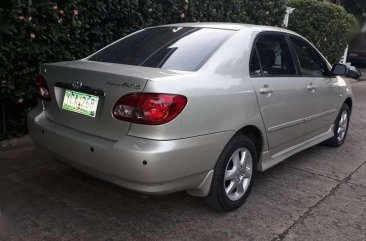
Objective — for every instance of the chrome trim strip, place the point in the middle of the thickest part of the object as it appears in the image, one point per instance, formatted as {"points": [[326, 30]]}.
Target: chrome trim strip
{"points": [[296, 122], [285, 125], [320, 115]]}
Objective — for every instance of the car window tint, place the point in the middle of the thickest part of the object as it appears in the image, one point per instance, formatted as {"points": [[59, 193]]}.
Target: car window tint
{"points": [[254, 66], [311, 62], [275, 56], [178, 48]]}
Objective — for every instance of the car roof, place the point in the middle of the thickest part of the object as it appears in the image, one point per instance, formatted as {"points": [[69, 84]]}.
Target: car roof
{"points": [[230, 26]]}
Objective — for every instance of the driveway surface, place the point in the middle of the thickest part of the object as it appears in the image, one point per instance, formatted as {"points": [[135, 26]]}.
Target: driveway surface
{"points": [[319, 194], [363, 73]]}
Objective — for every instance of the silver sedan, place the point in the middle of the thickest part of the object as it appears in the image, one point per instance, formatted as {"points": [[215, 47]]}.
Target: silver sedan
{"points": [[195, 106]]}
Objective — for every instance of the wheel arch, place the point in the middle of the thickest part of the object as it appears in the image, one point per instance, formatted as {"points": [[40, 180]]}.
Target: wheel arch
{"points": [[349, 102], [254, 134]]}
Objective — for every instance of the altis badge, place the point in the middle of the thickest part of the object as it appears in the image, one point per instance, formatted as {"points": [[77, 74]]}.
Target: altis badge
{"points": [[125, 84]]}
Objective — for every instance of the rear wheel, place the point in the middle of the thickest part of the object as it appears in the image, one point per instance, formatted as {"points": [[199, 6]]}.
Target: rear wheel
{"points": [[233, 175], [340, 128]]}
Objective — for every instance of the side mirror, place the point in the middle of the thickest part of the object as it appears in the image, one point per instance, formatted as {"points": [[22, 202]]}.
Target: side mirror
{"points": [[339, 69]]}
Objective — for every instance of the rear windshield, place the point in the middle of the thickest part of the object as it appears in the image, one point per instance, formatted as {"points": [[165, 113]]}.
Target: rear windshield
{"points": [[177, 48]]}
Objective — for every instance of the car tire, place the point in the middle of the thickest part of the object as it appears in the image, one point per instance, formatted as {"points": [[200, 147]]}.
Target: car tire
{"points": [[230, 194], [340, 128]]}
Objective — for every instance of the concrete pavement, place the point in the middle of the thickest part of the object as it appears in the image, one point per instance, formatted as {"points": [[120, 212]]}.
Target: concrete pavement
{"points": [[363, 73], [319, 194]]}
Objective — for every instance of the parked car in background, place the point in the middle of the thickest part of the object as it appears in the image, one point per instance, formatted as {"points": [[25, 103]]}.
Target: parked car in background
{"points": [[353, 72], [193, 106], [357, 51]]}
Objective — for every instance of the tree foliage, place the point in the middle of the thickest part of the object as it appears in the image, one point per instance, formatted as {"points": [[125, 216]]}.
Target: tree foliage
{"points": [[327, 25], [355, 7], [39, 31]]}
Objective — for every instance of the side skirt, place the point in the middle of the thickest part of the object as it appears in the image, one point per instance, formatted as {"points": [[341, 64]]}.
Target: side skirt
{"points": [[268, 160]]}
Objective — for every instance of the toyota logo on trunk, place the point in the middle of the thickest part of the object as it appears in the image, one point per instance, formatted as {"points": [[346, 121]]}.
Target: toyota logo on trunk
{"points": [[77, 84]]}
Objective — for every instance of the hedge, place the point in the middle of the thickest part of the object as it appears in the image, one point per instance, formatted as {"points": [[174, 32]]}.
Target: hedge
{"points": [[35, 32], [328, 26]]}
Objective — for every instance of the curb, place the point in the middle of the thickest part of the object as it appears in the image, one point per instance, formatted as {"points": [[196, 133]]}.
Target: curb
{"points": [[15, 143]]}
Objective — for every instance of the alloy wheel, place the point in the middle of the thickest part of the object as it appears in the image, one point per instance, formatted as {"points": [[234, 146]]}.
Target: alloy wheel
{"points": [[342, 126], [238, 174]]}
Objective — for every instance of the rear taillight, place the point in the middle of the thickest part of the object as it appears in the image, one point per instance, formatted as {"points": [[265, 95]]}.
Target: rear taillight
{"points": [[149, 108], [42, 88]]}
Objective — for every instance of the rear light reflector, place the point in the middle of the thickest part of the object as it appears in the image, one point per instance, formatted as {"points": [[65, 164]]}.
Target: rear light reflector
{"points": [[42, 88], [149, 108]]}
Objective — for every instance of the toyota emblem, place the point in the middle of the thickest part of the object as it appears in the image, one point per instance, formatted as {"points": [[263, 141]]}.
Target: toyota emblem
{"points": [[77, 84]]}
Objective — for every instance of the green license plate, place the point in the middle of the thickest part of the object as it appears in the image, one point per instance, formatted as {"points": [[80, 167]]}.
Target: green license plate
{"points": [[80, 103]]}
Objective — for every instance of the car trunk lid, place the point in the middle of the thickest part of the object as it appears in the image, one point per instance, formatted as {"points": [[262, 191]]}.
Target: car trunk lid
{"points": [[107, 81]]}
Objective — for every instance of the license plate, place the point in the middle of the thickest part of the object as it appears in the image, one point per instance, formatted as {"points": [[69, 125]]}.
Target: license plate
{"points": [[81, 103]]}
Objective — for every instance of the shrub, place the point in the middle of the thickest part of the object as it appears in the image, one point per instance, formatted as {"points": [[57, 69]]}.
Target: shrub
{"points": [[35, 32], [327, 25], [265, 12]]}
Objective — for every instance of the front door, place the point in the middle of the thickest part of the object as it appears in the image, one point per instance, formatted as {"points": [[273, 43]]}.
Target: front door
{"points": [[323, 92]]}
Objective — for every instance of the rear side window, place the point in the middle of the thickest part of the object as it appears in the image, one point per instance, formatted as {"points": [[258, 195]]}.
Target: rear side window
{"points": [[254, 67], [311, 62], [177, 48], [275, 56]]}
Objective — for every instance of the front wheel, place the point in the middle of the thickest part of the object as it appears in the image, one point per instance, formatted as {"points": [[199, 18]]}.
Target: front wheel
{"points": [[340, 128], [233, 175]]}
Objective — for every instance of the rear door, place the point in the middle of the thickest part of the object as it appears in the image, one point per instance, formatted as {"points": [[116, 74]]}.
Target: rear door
{"points": [[281, 95], [322, 91]]}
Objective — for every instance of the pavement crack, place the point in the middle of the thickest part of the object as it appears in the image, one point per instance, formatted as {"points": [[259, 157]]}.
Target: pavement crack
{"points": [[356, 184], [314, 173], [345, 180]]}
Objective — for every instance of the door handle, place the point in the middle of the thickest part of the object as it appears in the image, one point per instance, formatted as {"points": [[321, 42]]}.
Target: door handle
{"points": [[266, 90], [312, 87]]}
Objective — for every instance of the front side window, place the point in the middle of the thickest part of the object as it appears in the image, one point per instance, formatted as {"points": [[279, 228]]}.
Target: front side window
{"points": [[177, 48], [311, 62], [275, 56]]}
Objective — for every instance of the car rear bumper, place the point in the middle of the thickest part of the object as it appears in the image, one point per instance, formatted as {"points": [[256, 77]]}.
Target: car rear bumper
{"points": [[148, 166]]}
